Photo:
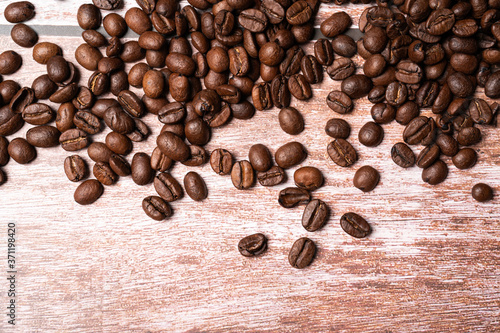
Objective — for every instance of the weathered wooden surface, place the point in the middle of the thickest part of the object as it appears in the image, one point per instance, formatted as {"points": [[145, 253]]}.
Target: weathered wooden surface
{"points": [[431, 264]]}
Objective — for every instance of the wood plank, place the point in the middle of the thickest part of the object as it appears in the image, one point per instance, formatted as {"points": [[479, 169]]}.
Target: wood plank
{"points": [[431, 263]]}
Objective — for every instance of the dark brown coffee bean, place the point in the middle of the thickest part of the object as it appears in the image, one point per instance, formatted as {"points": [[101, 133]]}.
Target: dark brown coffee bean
{"points": [[75, 168], [118, 143], [261, 96], [195, 186], [323, 52], [120, 165], [114, 25], [87, 122], [199, 156], [460, 85], [355, 225], [117, 120], [279, 91], [98, 83], [336, 24], [23, 98], [21, 151], [396, 94], [107, 4], [366, 178], [480, 111], [88, 16], [43, 51], [132, 52], [160, 161], [242, 175], [253, 20], [337, 128], [420, 130], [173, 146], [302, 253], [407, 112], [43, 87], [221, 161], [447, 144], [469, 136], [88, 192], [65, 116], [371, 134], [465, 158], [290, 154], [24, 35], [260, 158], [4, 154], [137, 20], [315, 215], [293, 196], [87, 56], [229, 93], [131, 103], [440, 21], [108, 65], [104, 174], [114, 48], [356, 86], [10, 122], [65, 94], [299, 87], [339, 102], [271, 54], [73, 139], [94, 38], [142, 173], [311, 69], [197, 132], [436, 173], [492, 86], [299, 13], [291, 121], [252, 245], [168, 187], [274, 176], [409, 72], [344, 45], [38, 114], [99, 152], [428, 156], [402, 155], [19, 11], [308, 178], [342, 153], [43, 136], [172, 113], [156, 208], [482, 192]]}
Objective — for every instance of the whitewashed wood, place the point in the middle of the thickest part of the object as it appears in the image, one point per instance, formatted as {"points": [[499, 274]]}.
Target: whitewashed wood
{"points": [[431, 264]]}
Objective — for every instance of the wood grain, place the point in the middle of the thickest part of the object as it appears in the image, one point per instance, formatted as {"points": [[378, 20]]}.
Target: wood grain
{"points": [[431, 264]]}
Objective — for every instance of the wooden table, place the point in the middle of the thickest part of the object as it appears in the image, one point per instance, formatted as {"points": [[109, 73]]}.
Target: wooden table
{"points": [[431, 264]]}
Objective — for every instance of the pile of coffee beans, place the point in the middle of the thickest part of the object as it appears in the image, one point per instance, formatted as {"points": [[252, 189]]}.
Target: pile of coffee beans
{"points": [[248, 56]]}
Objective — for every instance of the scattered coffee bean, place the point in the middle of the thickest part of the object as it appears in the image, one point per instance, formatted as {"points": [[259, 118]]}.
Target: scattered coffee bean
{"points": [[252, 245], [242, 175], [366, 178], [315, 215], [338, 128], [156, 208], [465, 158], [302, 253], [290, 154], [436, 173], [293, 196], [195, 186], [291, 121], [371, 134], [355, 225], [482, 192], [142, 173], [88, 192], [402, 155], [168, 187], [260, 158], [21, 151], [308, 178], [104, 174], [342, 153]]}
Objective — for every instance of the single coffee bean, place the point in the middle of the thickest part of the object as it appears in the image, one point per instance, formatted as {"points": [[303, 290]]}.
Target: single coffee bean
{"points": [[311, 69], [341, 69], [99, 152], [118, 143], [366, 178], [58, 68], [342, 153], [447, 144], [407, 112], [260, 158], [117, 120], [38, 114], [293, 196], [120, 165], [75, 168], [43, 87], [107, 4], [104, 174], [482, 192], [261, 96], [4, 154], [461, 85], [229, 94], [291, 121], [132, 52], [221, 161], [336, 24], [279, 91], [402, 155], [140, 133], [274, 176], [65, 94], [131, 103], [195, 186], [43, 51], [480, 112], [299, 87], [22, 99], [465, 158], [428, 156], [21, 151], [492, 86], [242, 175], [383, 113], [156, 208], [94, 38], [420, 130], [469, 136], [396, 94], [302, 253], [436, 173], [10, 122], [65, 116], [19, 11], [271, 54], [24, 35], [339, 102], [73, 139], [338, 128], [142, 173], [87, 122], [10, 62], [88, 192], [371, 134], [8, 89], [137, 20], [290, 154], [308, 178], [197, 132], [356, 86], [315, 215], [355, 225], [199, 156], [114, 25], [168, 187], [43, 136], [323, 52], [88, 17], [374, 65], [252, 245]]}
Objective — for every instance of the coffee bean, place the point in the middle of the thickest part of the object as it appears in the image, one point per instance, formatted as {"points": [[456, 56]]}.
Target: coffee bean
{"points": [[107, 4], [315, 215], [252, 245], [402, 155], [420, 130], [87, 122], [119, 165], [469, 136], [482, 192], [293, 196], [311, 69], [94, 38], [195, 186], [44, 51], [242, 175], [355, 225], [43, 87], [447, 144], [4, 154], [260, 158], [88, 192], [132, 52], [290, 154], [131, 103], [114, 25], [480, 111], [336, 24], [274, 176], [337, 128], [10, 122], [117, 120], [465, 158], [137, 20], [261, 96], [436, 173], [19, 11], [104, 174], [299, 87], [142, 173], [24, 35], [407, 112], [22, 99], [75, 168], [428, 156], [342, 153], [118, 143], [279, 91], [366, 178], [43, 136], [99, 152], [168, 187], [440, 21], [229, 94], [156, 208], [38, 114], [221, 161], [323, 52], [460, 85], [371, 134], [339, 102], [291, 121], [253, 20], [374, 65], [10, 62], [309, 178], [492, 86], [356, 86], [21, 151], [341, 69], [409, 72], [396, 94], [271, 54], [88, 17], [302, 253], [199, 156], [73, 139]]}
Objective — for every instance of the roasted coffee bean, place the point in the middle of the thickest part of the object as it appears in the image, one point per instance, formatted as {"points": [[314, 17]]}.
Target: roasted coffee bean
{"points": [[336, 24], [420, 130], [114, 48], [243, 110], [24, 35], [221, 161], [465, 158], [461, 85], [137, 20], [271, 54], [407, 112], [43, 87], [440, 21], [172, 113], [302, 253], [142, 173], [117, 120], [73, 139], [114, 25], [371, 134], [366, 178], [65, 115], [436, 173], [136, 74], [291, 63], [217, 60], [38, 114], [290, 154], [173, 146], [65, 94], [10, 122], [156, 208], [206, 101], [299, 87], [291, 121], [107, 4], [94, 38], [311, 69], [469, 136], [315, 215], [482, 192], [131, 103], [43, 51], [260, 158], [160, 161], [342, 153], [104, 174], [355, 225], [356, 86], [22, 99], [88, 17], [323, 52], [195, 186], [242, 175], [274, 176], [253, 20], [447, 144], [21, 151], [118, 143], [229, 94], [409, 72], [492, 86], [199, 156], [338, 128], [87, 56], [299, 13], [308, 178], [99, 152], [261, 96], [132, 52], [87, 122], [480, 111], [75, 168], [88, 192], [339, 102], [168, 187], [8, 89], [140, 133], [402, 155], [19, 11], [344, 45], [120, 165], [4, 154], [197, 132], [98, 83], [252, 245], [293, 196], [396, 94], [108, 65], [428, 156], [43, 136], [374, 65], [279, 91]]}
